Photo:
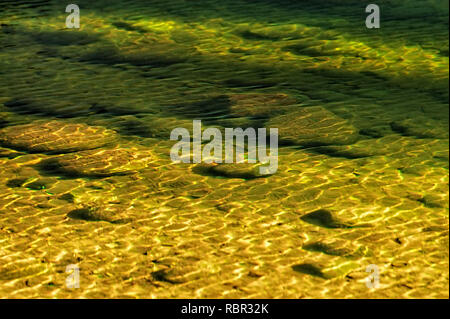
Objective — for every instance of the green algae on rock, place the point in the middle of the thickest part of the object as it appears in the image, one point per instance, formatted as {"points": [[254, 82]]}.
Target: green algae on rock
{"points": [[100, 162], [55, 137], [313, 126]]}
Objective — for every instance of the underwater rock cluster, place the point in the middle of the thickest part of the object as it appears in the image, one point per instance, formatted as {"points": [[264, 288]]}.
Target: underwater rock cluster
{"points": [[100, 162], [363, 170], [313, 126], [55, 137], [83, 148], [260, 104]]}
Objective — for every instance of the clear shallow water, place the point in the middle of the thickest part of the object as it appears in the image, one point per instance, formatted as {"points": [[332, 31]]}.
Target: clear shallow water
{"points": [[377, 193]]}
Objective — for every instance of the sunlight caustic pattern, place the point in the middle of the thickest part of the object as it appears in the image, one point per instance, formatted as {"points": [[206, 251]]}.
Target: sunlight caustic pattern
{"points": [[87, 179]]}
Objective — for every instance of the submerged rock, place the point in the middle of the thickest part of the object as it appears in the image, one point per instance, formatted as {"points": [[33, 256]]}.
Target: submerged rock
{"points": [[129, 27], [421, 127], [324, 218], [98, 214], [327, 249], [361, 149], [234, 170], [324, 270], [313, 126], [435, 200], [31, 183], [260, 104], [100, 162], [55, 137], [339, 248]]}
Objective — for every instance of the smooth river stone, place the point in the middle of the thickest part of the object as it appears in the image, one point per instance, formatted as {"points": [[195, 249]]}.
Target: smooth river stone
{"points": [[101, 162], [55, 137], [313, 126]]}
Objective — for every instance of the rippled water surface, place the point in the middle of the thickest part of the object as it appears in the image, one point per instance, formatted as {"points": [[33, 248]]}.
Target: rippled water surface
{"points": [[86, 176]]}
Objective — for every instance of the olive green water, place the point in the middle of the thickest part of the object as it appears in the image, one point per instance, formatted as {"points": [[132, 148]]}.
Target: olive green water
{"points": [[86, 177]]}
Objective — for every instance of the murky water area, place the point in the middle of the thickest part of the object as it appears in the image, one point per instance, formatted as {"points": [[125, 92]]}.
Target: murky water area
{"points": [[88, 186]]}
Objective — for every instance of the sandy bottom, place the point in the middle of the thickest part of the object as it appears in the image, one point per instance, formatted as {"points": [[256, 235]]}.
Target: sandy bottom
{"points": [[155, 229]]}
